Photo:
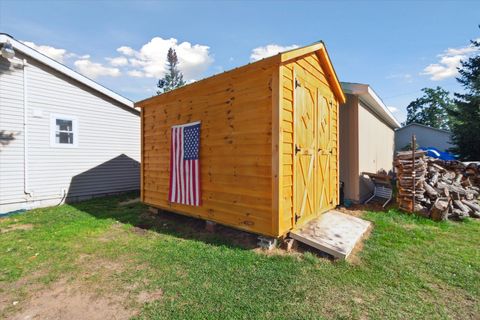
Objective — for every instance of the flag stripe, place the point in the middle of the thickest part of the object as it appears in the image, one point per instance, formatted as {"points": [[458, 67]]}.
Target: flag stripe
{"points": [[172, 190], [184, 164], [187, 181]]}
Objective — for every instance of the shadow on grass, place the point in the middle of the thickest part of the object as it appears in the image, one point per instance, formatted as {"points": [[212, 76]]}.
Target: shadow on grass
{"points": [[168, 223]]}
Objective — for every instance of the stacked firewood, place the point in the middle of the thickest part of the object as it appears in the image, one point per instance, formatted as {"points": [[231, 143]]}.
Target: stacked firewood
{"points": [[443, 189], [411, 169]]}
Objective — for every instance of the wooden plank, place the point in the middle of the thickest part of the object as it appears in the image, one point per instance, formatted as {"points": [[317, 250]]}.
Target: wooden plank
{"points": [[334, 232], [296, 53], [142, 163], [244, 72], [276, 148]]}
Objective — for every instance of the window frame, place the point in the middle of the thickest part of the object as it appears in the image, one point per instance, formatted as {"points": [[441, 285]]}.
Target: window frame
{"points": [[53, 130]]}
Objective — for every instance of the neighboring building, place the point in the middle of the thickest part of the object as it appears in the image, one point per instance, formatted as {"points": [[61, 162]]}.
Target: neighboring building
{"points": [[63, 137], [426, 137], [366, 139]]}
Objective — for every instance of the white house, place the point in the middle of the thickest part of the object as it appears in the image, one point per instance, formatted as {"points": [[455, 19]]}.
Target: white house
{"points": [[63, 137]]}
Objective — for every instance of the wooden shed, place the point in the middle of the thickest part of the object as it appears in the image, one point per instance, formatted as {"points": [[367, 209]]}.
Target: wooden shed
{"points": [[268, 142]]}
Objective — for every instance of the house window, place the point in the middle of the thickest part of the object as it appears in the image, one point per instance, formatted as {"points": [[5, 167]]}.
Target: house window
{"points": [[63, 131]]}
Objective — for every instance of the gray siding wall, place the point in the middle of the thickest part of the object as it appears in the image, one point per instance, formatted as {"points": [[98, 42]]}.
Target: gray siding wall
{"points": [[426, 137], [106, 159]]}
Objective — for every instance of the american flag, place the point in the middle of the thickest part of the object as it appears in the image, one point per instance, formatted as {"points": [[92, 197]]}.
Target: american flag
{"points": [[185, 165]]}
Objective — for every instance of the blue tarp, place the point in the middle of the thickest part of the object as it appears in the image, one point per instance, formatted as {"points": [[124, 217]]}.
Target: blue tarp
{"points": [[435, 153]]}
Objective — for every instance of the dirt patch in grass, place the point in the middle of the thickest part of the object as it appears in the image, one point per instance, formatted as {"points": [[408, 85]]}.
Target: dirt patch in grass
{"points": [[93, 292], [115, 231], [64, 300], [76, 300], [17, 227], [129, 202], [146, 296]]}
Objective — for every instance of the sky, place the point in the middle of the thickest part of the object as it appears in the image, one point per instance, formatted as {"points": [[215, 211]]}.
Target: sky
{"points": [[397, 47]]}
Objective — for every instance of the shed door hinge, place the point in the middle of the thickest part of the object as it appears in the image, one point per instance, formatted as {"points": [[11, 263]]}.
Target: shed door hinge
{"points": [[297, 83], [296, 217], [297, 149]]}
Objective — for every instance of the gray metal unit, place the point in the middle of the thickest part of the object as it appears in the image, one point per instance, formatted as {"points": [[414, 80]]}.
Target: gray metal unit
{"points": [[426, 137]]}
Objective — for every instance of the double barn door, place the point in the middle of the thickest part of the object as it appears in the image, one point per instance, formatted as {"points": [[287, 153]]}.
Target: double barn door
{"points": [[314, 164]]}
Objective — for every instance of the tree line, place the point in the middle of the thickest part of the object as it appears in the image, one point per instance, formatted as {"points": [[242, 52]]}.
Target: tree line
{"points": [[460, 114]]}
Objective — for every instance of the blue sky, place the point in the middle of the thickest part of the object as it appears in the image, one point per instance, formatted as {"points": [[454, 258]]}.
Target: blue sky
{"points": [[396, 47]]}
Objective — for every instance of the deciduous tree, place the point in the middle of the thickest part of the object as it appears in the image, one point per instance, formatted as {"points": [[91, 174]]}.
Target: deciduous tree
{"points": [[431, 109]]}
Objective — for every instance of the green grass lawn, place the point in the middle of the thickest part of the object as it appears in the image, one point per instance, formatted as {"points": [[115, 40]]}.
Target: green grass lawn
{"points": [[410, 267]]}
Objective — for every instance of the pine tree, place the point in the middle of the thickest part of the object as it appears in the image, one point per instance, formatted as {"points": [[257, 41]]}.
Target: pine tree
{"points": [[431, 109], [466, 114], [174, 78]]}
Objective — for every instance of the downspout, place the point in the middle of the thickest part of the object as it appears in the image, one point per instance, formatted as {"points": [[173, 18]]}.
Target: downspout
{"points": [[26, 188]]}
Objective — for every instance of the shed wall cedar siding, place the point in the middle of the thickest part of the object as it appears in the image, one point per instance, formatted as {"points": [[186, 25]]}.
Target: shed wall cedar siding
{"points": [[247, 144], [106, 159], [426, 137], [235, 110], [312, 67]]}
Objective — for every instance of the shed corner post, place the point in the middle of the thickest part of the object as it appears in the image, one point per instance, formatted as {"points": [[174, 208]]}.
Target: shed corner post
{"points": [[142, 151], [277, 206]]}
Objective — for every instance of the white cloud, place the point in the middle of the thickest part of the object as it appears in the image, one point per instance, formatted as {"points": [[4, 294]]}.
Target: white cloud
{"points": [[392, 109], [269, 50], [450, 60], [136, 74], [94, 70], [405, 76], [118, 61], [126, 51], [151, 60], [56, 54]]}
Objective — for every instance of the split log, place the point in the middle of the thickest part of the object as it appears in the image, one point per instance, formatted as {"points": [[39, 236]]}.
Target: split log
{"points": [[405, 155], [451, 188], [475, 213], [459, 204], [434, 178], [439, 210], [431, 192]]}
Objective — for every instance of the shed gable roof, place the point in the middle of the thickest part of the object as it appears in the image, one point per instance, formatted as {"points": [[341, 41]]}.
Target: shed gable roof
{"points": [[282, 57], [17, 45], [321, 51]]}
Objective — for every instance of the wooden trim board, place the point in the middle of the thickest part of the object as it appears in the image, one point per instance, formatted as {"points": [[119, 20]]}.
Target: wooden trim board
{"points": [[333, 232]]}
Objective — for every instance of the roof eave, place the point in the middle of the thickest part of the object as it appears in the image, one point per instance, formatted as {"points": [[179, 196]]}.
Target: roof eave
{"points": [[65, 70], [370, 97], [321, 51]]}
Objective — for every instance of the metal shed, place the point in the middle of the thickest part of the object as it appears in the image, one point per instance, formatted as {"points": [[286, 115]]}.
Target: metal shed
{"points": [[268, 142]]}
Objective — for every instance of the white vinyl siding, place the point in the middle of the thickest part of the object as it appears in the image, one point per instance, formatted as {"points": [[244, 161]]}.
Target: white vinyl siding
{"points": [[11, 131], [106, 155]]}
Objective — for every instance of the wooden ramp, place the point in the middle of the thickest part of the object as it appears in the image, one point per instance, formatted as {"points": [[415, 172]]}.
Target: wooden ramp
{"points": [[333, 232]]}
